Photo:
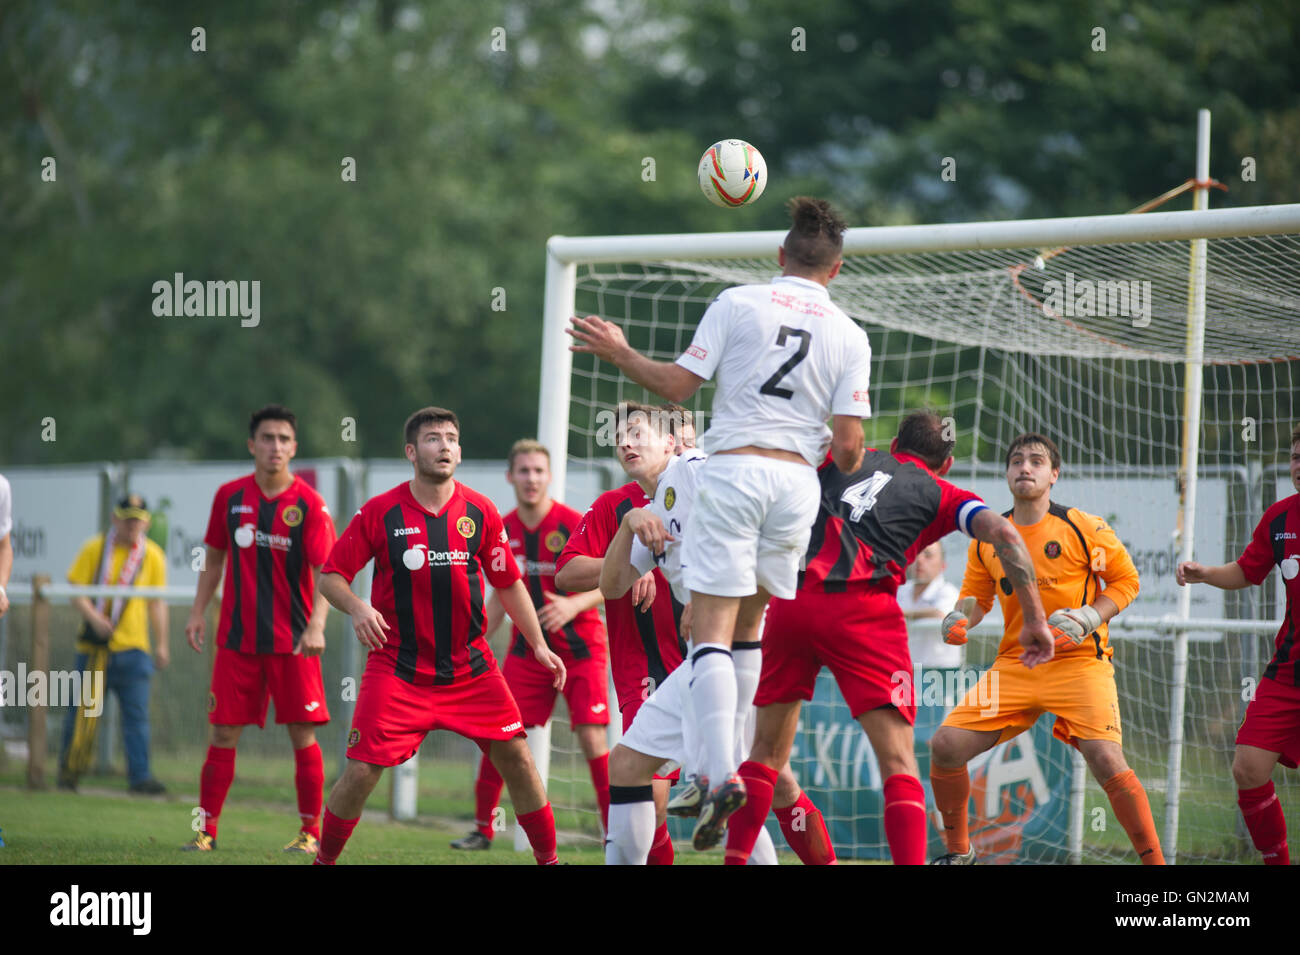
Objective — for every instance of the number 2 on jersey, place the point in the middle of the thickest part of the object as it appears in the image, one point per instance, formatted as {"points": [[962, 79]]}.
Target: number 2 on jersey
{"points": [[772, 385], [863, 494]]}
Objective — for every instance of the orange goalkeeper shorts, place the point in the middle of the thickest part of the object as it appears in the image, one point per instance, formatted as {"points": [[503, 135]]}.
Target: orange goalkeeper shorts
{"points": [[1008, 699]]}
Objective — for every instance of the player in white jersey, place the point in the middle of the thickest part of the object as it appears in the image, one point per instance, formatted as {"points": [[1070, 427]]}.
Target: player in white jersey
{"points": [[661, 735], [786, 359]]}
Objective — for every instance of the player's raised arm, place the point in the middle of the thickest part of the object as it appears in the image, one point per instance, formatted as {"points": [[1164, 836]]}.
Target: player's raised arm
{"points": [[520, 608], [1224, 576], [1035, 635], [605, 340], [847, 442]]}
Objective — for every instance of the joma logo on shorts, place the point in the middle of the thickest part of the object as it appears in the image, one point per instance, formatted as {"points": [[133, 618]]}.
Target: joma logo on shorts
{"points": [[513, 727]]}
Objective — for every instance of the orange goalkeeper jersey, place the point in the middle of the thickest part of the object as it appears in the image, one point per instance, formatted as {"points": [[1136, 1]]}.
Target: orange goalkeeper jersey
{"points": [[1074, 553]]}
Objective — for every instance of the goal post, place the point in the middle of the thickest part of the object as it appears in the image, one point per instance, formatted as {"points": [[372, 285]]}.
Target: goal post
{"points": [[1076, 327]]}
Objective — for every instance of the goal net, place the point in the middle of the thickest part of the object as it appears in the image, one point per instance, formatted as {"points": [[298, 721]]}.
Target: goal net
{"points": [[1087, 330]]}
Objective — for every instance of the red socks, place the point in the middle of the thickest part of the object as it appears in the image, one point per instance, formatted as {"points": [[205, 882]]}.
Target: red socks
{"points": [[1263, 814], [743, 826], [334, 836], [805, 831], [600, 782], [214, 783], [487, 793], [905, 819], [661, 851], [309, 778], [539, 826]]}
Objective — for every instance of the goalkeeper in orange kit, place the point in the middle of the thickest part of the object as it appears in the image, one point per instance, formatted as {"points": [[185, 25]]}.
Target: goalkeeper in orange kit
{"points": [[1074, 553]]}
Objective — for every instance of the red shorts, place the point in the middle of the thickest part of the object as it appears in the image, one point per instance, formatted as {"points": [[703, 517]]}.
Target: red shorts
{"points": [[393, 717], [243, 684], [859, 634], [1273, 721], [585, 690], [627, 712]]}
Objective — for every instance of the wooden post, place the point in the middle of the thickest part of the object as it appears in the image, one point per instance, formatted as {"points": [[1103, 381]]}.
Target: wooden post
{"points": [[39, 662]]}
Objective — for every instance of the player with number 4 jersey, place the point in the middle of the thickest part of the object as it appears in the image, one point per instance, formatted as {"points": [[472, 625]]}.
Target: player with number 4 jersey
{"points": [[871, 524], [785, 359]]}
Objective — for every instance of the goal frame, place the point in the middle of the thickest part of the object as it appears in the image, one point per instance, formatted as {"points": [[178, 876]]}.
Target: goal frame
{"points": [[565, 254]]}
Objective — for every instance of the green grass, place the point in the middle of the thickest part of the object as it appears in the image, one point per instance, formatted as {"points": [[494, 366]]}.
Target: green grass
{"points": [[103, 825]]}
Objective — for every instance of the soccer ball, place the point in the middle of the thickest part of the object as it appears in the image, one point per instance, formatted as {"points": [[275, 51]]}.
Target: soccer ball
{"points": [[732, 173]]}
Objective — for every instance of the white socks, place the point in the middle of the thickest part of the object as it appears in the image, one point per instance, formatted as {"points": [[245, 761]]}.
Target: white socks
{"points": [[631, 825], [713, 695]]}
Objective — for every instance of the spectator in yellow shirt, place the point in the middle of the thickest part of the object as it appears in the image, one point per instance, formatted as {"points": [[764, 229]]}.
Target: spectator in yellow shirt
{"points": [[123, 556]]}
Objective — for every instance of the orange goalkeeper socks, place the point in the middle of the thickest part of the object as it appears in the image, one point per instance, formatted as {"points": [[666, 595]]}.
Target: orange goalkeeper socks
{"points": [[1129, 800], [951, 795]]}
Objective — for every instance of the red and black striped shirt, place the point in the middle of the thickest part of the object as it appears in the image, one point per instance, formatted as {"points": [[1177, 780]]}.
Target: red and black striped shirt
{"points": [[872, 523], [1276, 541], [268, 592], [536, 550], [428, 579], [643, 647]]}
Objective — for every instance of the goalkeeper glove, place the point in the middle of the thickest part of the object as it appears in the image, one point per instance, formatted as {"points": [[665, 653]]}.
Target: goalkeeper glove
{"points": [[954, 625], [1073, 625]]}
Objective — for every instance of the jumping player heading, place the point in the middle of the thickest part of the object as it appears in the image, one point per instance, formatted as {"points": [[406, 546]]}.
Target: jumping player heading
{"points": [[786, 359]]}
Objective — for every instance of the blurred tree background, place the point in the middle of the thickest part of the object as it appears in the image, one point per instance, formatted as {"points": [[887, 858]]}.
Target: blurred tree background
{"points": [[376, 295]]}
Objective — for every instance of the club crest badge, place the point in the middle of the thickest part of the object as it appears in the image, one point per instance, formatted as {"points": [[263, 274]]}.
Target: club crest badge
{"points": [[466, 527]]}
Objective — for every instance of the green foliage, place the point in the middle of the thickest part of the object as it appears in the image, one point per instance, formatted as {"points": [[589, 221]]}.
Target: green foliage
{"points": [[376, 295]]}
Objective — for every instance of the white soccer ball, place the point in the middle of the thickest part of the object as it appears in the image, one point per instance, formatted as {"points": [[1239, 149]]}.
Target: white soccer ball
{"points": [[732, 173]]}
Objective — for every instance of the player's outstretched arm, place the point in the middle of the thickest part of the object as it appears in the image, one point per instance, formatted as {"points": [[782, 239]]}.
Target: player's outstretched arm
{"points": [[559, 609], [520, 607], [1035, 635], [605, 340], [580, 573], [1224, 576]]}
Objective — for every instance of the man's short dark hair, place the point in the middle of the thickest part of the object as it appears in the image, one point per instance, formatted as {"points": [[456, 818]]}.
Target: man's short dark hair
{"points": [[1295, 434], [1033, 437], [272, 413], [816, 236], [922, 433], [430, 415]]}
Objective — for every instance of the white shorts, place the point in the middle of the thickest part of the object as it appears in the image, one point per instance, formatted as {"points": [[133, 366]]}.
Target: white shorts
{"points": [[750, 525], [665, 726]]}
